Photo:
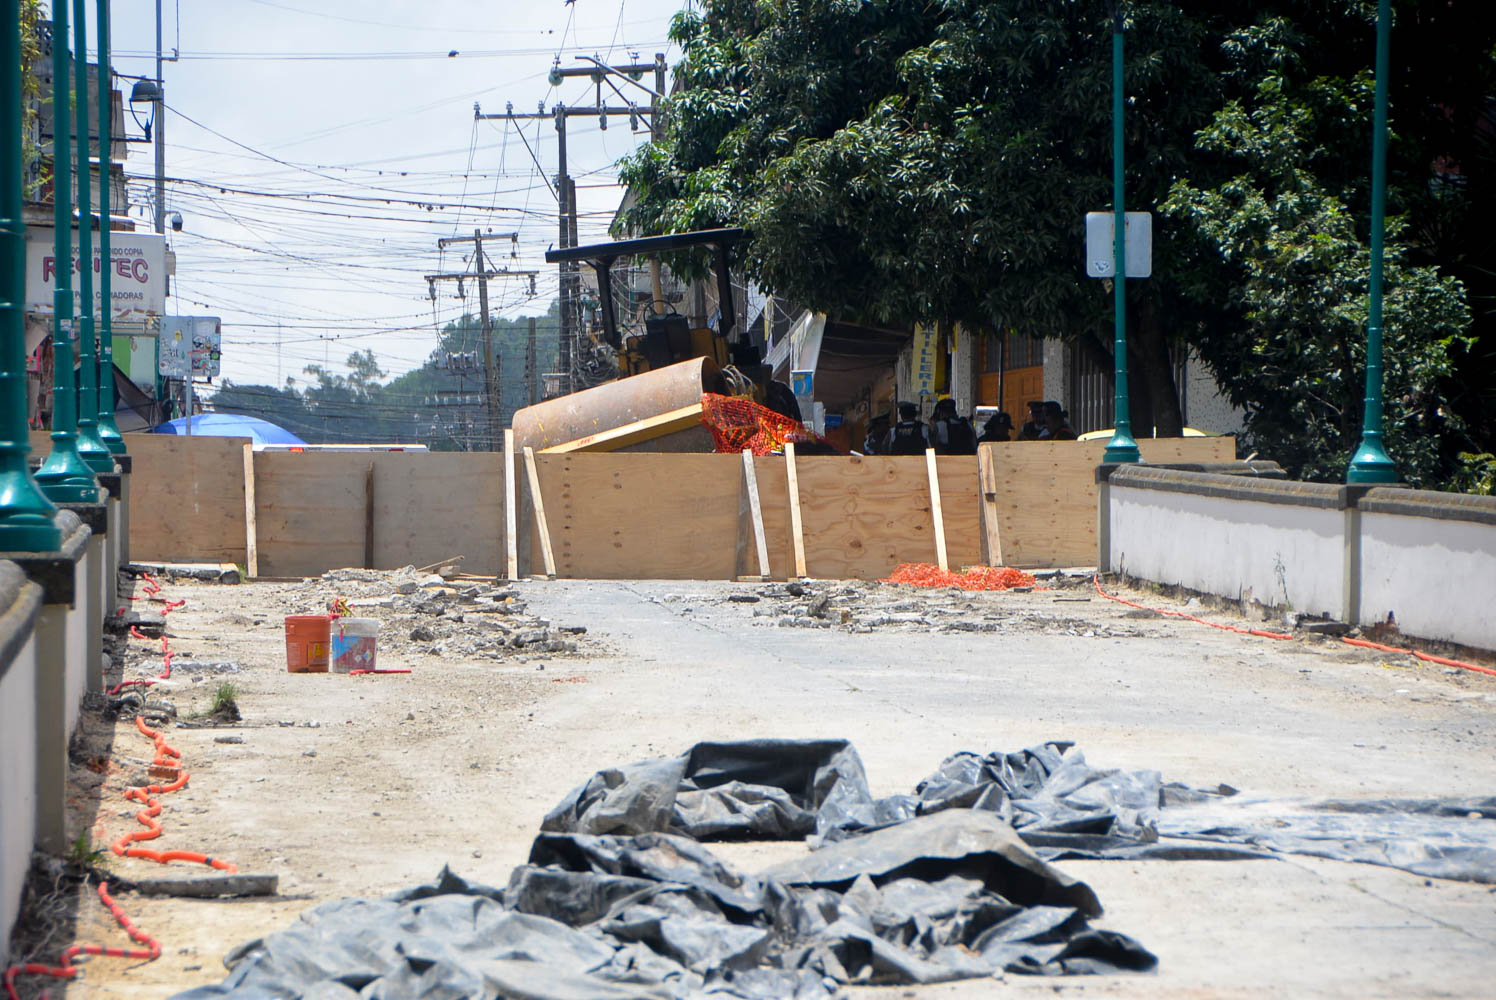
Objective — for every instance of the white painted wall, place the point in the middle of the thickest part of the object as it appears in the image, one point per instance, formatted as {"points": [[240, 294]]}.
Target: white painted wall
{"points": [[1436, 577], [1277, 554], [17, 784], [85, 604]]}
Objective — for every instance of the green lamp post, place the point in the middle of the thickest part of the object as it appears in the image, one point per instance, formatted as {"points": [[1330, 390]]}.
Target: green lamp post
{"points": [[25, 514], [1121, 448], [64, 477], [108, 429], [94, 451], [1371, 464]]}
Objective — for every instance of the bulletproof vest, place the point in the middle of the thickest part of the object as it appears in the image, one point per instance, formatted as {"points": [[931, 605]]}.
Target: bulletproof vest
{"points": [[908, 438]]}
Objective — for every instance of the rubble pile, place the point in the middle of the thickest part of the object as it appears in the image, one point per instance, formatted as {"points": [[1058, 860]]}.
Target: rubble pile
{"points": [[874, 606], [426, 613]]}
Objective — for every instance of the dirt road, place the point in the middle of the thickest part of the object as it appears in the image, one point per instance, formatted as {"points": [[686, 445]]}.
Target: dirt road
{"points": [[359, 786]]}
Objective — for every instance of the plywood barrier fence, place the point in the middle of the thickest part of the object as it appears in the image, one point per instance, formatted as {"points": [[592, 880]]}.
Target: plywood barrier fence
{"points": [[1046, 493], [681, 517], [614, 515]]}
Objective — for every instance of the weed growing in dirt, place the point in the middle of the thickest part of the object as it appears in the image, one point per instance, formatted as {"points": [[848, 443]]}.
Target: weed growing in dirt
{"points": [[82, 854], [225, 700]]}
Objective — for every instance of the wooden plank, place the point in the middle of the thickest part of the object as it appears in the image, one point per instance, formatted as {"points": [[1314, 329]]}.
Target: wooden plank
{"points": [[797, 533], [630, 434], [992, 548], [1046, 497], [937, 513], [546, 554], [251, 534], [369, 517], [511, 528], [750, 482]]}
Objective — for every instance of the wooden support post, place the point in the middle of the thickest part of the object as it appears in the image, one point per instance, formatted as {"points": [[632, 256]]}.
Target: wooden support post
{"points": [[533, 477], [511, 527], [936, 512], [797, 535], [756, 513], [369, 517], [992, 548], [251, 537]]}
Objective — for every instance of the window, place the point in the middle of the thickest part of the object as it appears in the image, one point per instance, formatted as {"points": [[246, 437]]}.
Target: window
{"points": [[1021, 352]]}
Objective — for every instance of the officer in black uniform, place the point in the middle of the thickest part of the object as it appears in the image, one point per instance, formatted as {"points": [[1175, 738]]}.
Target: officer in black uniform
{"points": [[909, 436]]}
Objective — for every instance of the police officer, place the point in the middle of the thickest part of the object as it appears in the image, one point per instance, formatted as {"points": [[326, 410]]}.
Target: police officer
{"points": [[909, 436]]}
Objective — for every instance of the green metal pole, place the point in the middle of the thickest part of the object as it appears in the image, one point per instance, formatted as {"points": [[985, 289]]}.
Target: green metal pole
{"points": [[1121, 448], [94, 451], [64, 476], [108, 429], [25, 514], [1371, 464]]}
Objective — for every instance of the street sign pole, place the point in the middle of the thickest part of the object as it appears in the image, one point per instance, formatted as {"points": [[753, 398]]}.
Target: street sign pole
{"points": [[25, 514], [1121, 448], [1371, 464], [64, 477]]}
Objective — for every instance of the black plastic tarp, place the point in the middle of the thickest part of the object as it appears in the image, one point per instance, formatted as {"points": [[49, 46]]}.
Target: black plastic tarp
{"points": [[620, 898], [1061, 805]]}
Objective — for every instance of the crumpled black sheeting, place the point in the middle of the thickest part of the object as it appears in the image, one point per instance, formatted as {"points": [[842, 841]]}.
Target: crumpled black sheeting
{"points": [[950, 896], [1061, 806]]}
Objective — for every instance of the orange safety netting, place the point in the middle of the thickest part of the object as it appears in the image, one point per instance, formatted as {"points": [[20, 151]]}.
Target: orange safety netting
{"points": [[971, 578], [741, 423]]}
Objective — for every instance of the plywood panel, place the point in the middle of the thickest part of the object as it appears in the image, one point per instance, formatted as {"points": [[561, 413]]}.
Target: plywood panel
{"points": [[186, 498], [310, 511], [1046, 493], [432, 505], [865, 515], [641, 516]]}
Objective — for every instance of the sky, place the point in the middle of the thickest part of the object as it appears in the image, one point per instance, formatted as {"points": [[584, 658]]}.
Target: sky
{"points": [[318, 149]]}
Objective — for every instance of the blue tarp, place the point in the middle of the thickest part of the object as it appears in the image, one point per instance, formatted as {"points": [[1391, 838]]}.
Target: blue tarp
{"points": [[230, 425]]}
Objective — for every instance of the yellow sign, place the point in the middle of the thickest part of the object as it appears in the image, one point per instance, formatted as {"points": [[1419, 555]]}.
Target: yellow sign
{"points": [[922, 372]]}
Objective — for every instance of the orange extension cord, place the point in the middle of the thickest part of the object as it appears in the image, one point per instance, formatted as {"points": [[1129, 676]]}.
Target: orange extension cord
{"points": [[67, 968], [165, 764], [1262, 633]]}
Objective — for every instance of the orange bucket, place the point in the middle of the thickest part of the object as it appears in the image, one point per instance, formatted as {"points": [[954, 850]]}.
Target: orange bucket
{"points": [[307, 641]]}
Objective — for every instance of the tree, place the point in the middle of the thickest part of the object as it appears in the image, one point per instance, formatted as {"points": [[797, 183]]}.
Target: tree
{"points": [[1279, 226], [904, 162]]}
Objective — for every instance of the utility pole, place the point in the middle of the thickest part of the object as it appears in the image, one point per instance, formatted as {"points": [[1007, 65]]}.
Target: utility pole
{"points": [[490, 377], [566, 192], [532, 384], [160, 129], [568, 272], [491, 366]]}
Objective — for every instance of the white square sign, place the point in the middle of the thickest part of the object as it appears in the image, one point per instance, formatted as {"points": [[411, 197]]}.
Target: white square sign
{"points": [[1101, 232]]}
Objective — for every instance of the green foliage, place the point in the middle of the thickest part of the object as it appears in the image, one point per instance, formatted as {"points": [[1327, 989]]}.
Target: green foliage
{"points": [[31, 19], [226, 699], [1295, 259], [82, 853], [901, 161]]}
